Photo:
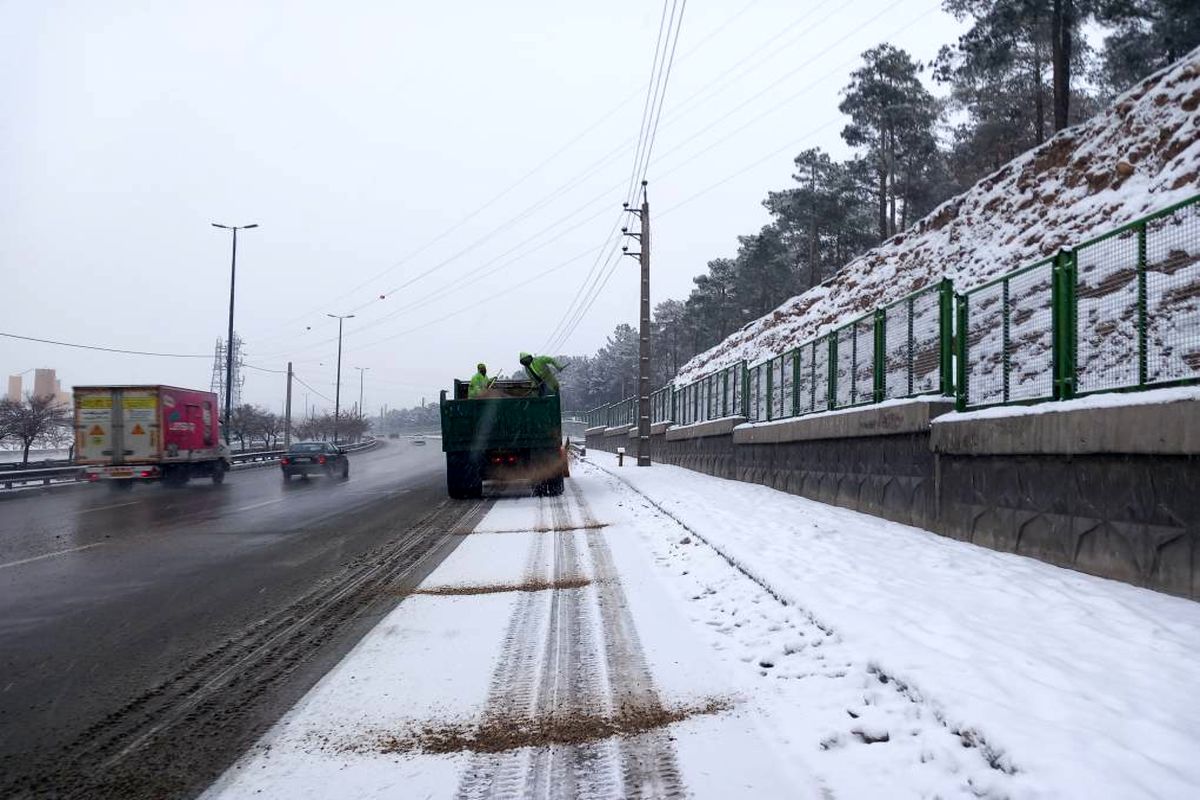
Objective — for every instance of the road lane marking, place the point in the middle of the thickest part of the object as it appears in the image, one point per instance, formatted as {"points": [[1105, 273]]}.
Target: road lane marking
{"points": [[258, 505], [105, 508], [49, 555]]}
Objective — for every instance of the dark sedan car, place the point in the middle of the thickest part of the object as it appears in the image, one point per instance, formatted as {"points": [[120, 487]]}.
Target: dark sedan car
{"points": [[315, 458]]}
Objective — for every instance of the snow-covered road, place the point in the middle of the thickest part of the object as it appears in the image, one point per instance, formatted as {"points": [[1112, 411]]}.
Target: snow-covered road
{"points": [[660, 633]]}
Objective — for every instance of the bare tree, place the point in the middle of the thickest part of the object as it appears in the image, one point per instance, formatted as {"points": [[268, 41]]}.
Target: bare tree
{"points": [[38, 418]]}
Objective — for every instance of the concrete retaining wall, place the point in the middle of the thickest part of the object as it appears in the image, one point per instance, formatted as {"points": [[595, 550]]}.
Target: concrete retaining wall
{"points": [[1131, 516]]}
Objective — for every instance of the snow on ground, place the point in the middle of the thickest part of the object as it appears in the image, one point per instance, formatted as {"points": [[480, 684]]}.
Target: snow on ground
{"points": [[1082, 686], [852, 658]]}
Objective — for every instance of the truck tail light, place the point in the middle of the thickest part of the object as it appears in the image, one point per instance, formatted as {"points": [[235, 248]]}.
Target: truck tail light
{"points": [[320, 459], [146, 473], [497, 459], [284, 461], [512, 459]]}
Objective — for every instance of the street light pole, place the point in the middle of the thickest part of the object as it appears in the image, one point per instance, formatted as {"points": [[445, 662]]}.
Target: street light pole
{"points": [[337, 394], [229, 341]]}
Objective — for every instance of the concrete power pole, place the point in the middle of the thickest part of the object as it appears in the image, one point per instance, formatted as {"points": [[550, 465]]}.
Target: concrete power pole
{"points": [[643, 453], [643, 256], [287, 412]]}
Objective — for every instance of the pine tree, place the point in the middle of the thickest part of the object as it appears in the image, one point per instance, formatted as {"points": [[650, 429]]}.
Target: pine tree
{"points": [[1147, 36], [892, 116]]}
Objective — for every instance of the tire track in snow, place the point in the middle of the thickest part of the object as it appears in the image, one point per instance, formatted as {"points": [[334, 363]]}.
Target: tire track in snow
{"points": [[648, 765], [567, 651]]}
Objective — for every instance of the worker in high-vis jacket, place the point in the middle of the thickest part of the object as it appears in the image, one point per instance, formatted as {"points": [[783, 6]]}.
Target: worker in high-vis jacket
{"points": [[480, 382], [541, 371]]}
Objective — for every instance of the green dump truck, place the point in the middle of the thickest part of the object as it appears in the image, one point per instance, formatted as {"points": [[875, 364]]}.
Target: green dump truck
{"points": [[510, 434]]}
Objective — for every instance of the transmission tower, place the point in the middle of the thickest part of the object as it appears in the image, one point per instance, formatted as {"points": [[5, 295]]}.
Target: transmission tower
{"points": [[217, 384]]}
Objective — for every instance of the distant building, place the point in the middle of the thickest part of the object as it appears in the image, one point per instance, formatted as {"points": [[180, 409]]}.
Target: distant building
{"points": [[44, 383]]}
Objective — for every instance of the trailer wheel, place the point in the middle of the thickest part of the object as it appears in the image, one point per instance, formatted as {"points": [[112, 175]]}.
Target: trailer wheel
{"points": [[218, 472], [549, 488], [175, 475], [118, 485]]}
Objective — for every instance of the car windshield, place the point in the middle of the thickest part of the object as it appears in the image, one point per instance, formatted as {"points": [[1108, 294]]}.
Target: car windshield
{"points": [[308, 447]]}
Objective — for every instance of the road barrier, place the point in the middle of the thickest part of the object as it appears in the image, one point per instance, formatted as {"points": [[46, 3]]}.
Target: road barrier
{"points": [[47, 476], [1117, 312]]}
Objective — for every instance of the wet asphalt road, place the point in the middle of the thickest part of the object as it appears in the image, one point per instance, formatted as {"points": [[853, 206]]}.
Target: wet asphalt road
{"points": [[104, 595]]}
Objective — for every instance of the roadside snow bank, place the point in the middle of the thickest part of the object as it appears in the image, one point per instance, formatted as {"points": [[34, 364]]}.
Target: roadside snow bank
{"points": [[1088, 685]]}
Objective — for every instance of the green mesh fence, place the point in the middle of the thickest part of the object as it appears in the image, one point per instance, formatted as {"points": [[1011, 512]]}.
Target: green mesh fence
{"points": [[1137, 304], [1118, 312], [1172, 278], [914, 342], [854, 373], [1009, 338]]}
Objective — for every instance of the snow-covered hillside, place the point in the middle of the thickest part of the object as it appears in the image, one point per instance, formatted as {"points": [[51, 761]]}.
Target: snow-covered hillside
{"points": [[1140, 155]]}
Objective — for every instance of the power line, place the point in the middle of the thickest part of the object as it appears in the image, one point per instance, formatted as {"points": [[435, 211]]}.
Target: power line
{"points": [[300, 381], [105, 349], [660, 73], [663, 99], [599, 285], [487, 300], [718, 29], [264, 369]]}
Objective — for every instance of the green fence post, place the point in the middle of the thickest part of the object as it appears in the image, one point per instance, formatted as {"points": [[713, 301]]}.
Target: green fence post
{"points": [[745, 390], [880, 376], [812, 376], [1062, 291], [832, 399], [1143, 367], [796, 382], [945, 336], [770, 388], [963, 390], [1006, 364]]}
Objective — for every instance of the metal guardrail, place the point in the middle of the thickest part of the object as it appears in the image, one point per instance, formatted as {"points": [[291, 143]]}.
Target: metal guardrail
{"points": [[43, 475], [67, 473]]}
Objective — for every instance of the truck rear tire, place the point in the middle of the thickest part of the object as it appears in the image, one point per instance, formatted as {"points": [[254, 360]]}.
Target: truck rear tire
{"points": [[464, 479], [120, 485], [218, 472], [550, 488]]}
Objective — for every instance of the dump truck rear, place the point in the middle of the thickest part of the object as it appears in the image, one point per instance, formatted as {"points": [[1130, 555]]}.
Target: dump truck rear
{"points": [[509, 435]]}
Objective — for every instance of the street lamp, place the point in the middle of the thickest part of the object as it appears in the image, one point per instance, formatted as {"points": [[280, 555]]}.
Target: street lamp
{"points": [[229, 341], [337, 394]]}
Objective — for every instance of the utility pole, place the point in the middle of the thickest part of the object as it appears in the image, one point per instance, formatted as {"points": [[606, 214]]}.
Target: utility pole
{"points": [[337, 394], [643, 256], [229, 342], [287, 412], [361, 408]]}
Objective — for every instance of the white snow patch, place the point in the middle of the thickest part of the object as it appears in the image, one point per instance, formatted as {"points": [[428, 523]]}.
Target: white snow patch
{"points": [[1085, 686]]}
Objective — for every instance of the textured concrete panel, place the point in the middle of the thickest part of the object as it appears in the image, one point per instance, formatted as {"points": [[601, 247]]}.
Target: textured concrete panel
{"points": [[1170, 428], [909, 416], [716, 427], [620, 430]]}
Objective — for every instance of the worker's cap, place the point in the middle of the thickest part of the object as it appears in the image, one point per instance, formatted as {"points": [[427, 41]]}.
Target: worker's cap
{"points": [[526, 357], [481, 367]]}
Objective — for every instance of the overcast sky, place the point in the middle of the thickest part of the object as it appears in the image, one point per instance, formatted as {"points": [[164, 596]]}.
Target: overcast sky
{"points": [[357, 135]]}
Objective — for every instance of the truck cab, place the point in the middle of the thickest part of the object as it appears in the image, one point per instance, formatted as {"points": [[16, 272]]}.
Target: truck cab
{"points": [[510, 434]]}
